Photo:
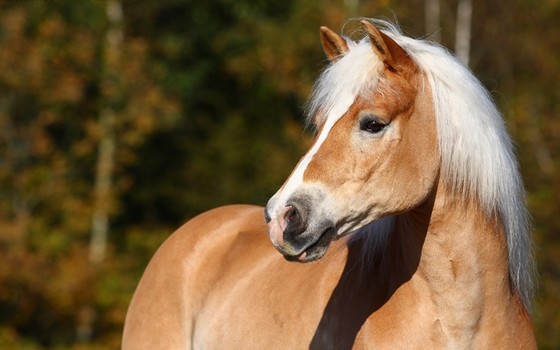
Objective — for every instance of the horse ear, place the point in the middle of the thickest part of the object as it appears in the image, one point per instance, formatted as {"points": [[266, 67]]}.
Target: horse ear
{"points": [[333, 44], [389, 52]]}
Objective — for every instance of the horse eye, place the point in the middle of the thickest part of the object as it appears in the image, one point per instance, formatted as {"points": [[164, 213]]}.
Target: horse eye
{"points": [[372, 125]]}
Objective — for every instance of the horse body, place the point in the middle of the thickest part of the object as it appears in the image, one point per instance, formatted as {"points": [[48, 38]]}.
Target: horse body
{"points": [[218, 283], [403, 250]]}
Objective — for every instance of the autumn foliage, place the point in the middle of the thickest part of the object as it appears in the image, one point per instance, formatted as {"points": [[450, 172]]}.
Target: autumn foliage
{"points": [[206, 100]]}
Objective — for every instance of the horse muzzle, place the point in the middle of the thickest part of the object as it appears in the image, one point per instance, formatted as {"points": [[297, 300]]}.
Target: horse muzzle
{"points": [[298, 232]]}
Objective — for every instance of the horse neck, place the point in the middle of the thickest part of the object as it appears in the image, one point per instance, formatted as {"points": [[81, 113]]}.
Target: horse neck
{"points": [[456, 257], [465, 250]]}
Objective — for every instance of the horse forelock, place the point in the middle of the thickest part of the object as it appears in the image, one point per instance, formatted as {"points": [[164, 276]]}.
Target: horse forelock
{"points": [[341, 82], [477, 157]]}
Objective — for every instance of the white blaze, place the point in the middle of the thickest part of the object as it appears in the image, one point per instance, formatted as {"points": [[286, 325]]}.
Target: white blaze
{"points": [[335, 91], [296, 180]]}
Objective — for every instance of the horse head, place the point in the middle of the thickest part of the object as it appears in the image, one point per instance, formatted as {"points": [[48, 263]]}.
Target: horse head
{"points": [[375, 152]]}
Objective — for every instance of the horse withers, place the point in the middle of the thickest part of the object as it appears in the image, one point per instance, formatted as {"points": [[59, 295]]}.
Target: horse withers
{"points": [[407, 212]]}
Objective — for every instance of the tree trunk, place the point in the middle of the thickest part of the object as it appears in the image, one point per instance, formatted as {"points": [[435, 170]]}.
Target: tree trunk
{"points": [[432, 18], [106, 149], [463, 31], [103, 186]]}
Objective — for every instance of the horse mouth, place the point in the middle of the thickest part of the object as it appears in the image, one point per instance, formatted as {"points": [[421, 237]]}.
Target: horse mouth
{"points": [[315, 250]]}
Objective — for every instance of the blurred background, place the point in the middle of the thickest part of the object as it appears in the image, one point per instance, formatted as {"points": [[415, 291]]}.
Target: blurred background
{"points": [[120, 120]]}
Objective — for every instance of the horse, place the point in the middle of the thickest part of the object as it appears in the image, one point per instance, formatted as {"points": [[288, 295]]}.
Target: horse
{"points": [[403, 226]]}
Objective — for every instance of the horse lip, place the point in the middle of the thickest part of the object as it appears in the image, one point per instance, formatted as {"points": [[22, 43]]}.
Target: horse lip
{"points": [[315, 250]]}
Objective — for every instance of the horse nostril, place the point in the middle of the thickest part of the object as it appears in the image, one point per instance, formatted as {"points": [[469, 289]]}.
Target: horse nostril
{"points": [[292, 215], [294, 220], [267, 217]]}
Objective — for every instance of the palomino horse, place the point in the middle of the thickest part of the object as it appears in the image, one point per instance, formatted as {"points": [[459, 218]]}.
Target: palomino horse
{"points": [[409, 204]]}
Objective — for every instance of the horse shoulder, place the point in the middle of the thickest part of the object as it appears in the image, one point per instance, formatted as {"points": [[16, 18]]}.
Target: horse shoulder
{"points": [[181, 272]]}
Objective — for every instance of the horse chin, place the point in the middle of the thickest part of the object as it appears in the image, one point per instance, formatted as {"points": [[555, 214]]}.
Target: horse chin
{"points": [[316, 250]]}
